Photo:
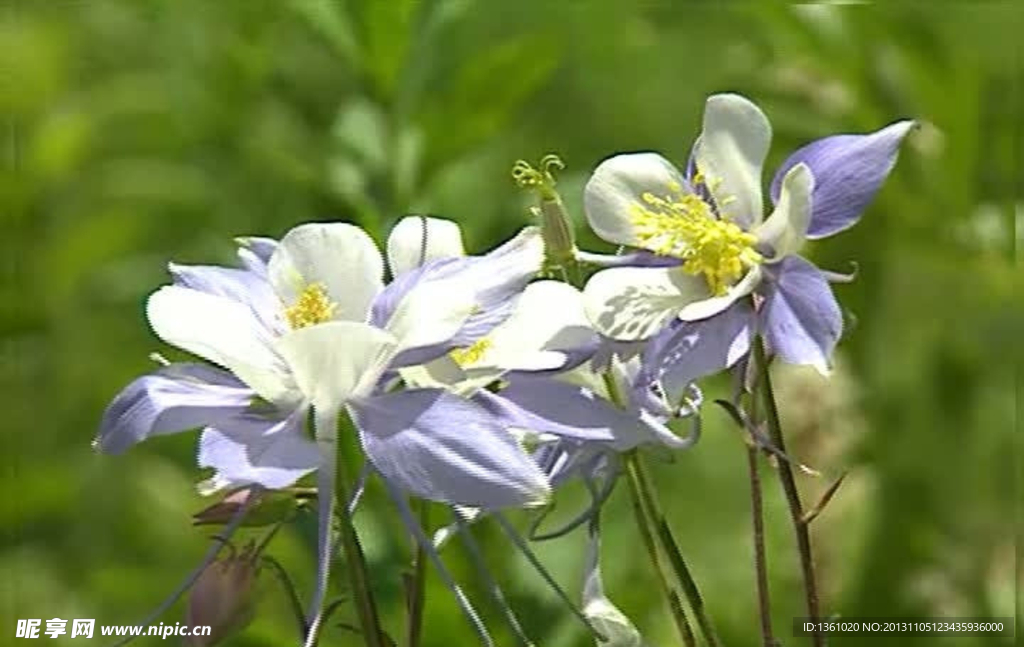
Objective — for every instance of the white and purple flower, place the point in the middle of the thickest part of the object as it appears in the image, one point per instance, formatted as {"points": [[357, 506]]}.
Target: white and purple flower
{"points": [[711, 245], [308, 327]]}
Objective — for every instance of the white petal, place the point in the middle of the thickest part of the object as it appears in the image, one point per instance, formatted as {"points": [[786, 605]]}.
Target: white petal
{"points": [[709, 307], [633, 303], [225, 332], [432, 313], [730, 155], [549, 317], [339, 256], [336, 361], [619, 183], [786, 229], [418, 239]]}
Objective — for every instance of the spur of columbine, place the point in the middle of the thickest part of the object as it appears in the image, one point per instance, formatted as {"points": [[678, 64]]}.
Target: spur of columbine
{"points": [[308, 327], [709, 244]]}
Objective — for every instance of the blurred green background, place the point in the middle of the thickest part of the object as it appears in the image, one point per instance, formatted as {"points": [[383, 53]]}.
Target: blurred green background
{"points": [[140, 131]]}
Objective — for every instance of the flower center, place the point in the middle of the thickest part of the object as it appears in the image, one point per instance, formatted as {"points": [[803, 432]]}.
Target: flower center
{"points": [[471, 354], [311, 308], [685, 226]]}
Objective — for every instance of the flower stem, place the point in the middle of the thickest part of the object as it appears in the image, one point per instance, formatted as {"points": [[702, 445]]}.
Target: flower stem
{"points": [[760, 562], [643, 523], [757, 526], [355, 560], [668, 542], [803, 539], [416, 583]]}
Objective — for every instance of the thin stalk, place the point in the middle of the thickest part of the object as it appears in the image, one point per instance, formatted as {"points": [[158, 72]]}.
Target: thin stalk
{"points": [[293, 598], [643, 523], [757, 525], [671, 548], [417, 583], [642, 489], [760, 562], [796, 513], [355, 559]]}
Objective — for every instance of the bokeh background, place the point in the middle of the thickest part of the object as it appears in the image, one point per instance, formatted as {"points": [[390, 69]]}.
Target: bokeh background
{"points": [[136, 132]]}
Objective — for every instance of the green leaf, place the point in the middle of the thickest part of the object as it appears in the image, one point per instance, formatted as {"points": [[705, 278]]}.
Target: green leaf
{"points": [[485, 94], [332, 21], [387, 32]]}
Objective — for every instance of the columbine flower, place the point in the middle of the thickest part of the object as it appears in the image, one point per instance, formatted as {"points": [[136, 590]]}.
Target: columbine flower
{"points": [[298, 336], [310, 328], [710, 221]]}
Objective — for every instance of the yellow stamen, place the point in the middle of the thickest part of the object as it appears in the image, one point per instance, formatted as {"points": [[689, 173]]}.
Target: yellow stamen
{"points": [[471, 354], [312, 307], [686, 227]]}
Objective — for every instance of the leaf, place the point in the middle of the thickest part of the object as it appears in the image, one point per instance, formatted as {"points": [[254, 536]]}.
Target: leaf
{"points": [[329, 18], [485, 94], [387, 32]]}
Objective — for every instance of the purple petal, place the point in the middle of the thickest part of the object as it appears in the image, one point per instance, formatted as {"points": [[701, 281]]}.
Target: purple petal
{"points": [[497, 279], [249, 449], [175, 398], [547, 406], [640, 258], [848, 170], [238, 285], [800, 317], [441, 447], [255, 253], [686, 351]]}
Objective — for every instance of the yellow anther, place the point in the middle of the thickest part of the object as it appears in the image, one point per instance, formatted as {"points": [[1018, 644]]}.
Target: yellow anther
{"points": [[311, 308], [471, 354], [686, 227]]}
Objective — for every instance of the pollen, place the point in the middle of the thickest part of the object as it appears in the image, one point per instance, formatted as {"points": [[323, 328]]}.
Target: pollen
{"points": [[686, 227], [311, 308], [471, 354]]}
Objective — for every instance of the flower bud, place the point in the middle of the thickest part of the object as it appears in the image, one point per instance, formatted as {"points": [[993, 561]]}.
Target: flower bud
{"points": [[265, 508], [223, 597], [418, 239]]}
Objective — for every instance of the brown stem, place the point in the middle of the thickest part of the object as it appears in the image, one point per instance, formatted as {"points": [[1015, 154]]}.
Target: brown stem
{"points": [[803, 539], [760, 562]]}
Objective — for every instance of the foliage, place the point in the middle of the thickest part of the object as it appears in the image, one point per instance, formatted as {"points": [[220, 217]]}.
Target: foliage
{"points": [[139, 132]]}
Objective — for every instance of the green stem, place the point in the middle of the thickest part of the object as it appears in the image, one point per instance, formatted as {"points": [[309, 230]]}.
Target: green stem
{"points": [[643, 523], [760, 561], [417, 582], [648, 512], [796, 513], [671, 548], [355, 559]]}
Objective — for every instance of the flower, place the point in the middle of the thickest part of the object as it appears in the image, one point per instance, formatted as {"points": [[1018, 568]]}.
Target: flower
{"points": [[309, 327], [710, 222], [291, 335]]}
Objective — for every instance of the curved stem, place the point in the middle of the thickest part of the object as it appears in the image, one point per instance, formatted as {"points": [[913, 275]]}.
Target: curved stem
{"points": [[671, 548], [803, 539], [643, 523]]}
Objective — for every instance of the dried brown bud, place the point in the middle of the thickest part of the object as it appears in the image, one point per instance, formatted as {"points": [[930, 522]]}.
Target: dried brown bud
{"points": [[223, 597]]}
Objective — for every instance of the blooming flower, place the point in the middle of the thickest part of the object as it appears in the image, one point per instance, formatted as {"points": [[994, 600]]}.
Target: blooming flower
{"points": [[710, 222], [308, 326]]}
